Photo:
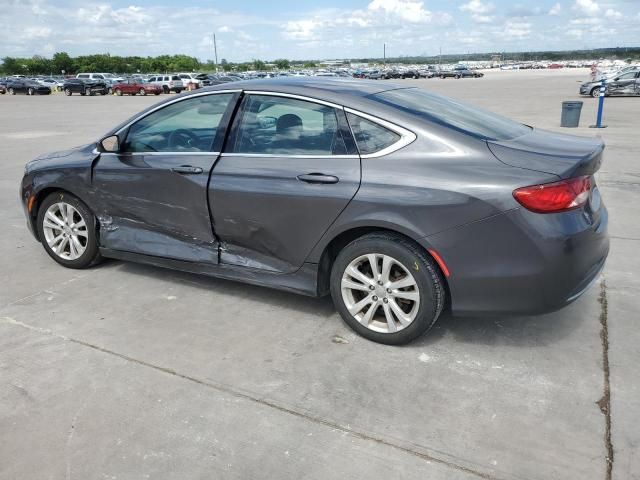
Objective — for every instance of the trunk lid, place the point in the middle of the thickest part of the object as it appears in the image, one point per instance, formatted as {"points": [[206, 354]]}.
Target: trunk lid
{"points": [[563, 155]]}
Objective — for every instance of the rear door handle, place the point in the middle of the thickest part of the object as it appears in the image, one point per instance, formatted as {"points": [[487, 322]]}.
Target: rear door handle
{"points": [[187, 169], [318, 178]]}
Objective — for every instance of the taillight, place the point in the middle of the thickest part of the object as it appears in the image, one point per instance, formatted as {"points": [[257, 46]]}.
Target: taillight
{"points": [[555, 197]]}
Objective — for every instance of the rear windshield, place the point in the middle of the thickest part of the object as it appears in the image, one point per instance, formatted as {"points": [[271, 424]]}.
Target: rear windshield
{"points": [[451, 113]]}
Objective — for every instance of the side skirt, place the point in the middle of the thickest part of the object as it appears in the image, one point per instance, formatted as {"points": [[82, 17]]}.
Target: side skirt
{"points": [[304, 281]]}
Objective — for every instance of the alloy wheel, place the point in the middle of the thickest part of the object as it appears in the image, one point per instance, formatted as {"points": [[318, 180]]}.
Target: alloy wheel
{"points": [[380, 293], [65, 231]]}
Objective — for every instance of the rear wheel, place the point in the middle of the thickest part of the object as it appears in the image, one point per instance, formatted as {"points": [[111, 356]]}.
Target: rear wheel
{"points": [[165, 89], [66, 228], [12, 91], [30, 91], [118, 92], [67, 92], [142, 91], [386, 288]]}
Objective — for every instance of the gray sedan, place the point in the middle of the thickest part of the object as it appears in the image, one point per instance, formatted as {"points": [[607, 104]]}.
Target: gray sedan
{"points": [[397, 202]]}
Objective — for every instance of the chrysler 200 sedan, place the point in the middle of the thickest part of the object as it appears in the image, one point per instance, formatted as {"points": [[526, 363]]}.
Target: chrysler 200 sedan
{"points": [[396, 201]]}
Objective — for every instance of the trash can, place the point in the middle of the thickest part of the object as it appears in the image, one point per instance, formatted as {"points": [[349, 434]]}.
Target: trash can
{"points": [[570, 114]]}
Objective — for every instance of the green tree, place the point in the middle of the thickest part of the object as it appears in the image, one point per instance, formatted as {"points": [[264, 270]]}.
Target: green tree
{"points": [[258, 64], [282, 64]]}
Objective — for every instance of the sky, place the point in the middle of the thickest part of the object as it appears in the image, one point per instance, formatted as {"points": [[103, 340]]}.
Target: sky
{"points": [[312, 29]]}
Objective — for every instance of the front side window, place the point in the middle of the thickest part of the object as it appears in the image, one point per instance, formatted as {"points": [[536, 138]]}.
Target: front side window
{"points": [[286, 126], [370, 137], [186, 126]]}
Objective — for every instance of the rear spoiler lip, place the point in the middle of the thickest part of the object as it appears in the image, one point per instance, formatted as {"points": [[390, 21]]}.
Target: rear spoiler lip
{"points": [[585, 164]]}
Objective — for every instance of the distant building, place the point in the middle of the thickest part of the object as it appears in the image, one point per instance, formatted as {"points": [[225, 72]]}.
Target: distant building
{"points": [[334, 63]]}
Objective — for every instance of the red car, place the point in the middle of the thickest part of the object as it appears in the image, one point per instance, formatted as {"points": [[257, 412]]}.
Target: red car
{"points": [[134, 86]]}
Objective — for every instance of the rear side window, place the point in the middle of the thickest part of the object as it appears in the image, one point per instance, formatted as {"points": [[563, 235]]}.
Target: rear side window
{"points": [[370, 137], [174, 78], [451, 113], [286, 126]]}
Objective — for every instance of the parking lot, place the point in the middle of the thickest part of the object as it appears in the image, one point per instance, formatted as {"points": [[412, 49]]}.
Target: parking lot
{"points": [[128, 371]]}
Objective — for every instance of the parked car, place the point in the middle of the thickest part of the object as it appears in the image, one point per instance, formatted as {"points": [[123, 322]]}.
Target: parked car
{"points": [[391, 74], [84, 87], [136, 86], [52, 83], [411, 74], [394, 200], [373, 75], [626, 84], [461, 73], [168, 83], [197, 79], [26, 86]]}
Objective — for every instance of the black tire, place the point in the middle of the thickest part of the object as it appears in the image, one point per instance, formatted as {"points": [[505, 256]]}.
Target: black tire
{"points": [[83, 93], [424, 270], [110, 91], [595, 92], [12, 91], [91, 255], [30, 91], [67, 92]]}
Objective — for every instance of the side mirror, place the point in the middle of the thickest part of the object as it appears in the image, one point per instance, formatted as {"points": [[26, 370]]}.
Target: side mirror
{"points": [[110, 144]]}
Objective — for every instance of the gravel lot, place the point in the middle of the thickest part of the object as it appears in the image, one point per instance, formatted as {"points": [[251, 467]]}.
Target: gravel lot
{"points": [[131, 372]]}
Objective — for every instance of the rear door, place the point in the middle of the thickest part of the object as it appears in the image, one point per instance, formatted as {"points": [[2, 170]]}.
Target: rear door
{"points": [[153, 193], [289, 169]]}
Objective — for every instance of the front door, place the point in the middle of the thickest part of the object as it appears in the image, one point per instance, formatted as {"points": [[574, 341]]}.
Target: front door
{"points": [[623, 85], [153, 193], [289, 169]]}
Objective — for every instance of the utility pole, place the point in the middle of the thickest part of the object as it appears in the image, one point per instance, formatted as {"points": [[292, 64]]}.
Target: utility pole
{"points": [[215, 52], [384, 54]]}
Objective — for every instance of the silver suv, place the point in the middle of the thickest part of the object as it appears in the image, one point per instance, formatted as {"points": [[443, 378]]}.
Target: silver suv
{"points": [[169, 83]]}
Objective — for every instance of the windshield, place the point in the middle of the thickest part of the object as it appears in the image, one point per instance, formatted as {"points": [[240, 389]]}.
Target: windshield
{"points": [[451, 113]]}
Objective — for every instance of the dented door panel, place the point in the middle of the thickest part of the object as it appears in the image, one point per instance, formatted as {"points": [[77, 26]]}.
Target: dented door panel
{"points": [[268, 219], [146, 207]]}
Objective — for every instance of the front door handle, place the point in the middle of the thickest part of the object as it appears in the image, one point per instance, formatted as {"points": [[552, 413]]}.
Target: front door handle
{"points": [[187, 169], [318, 178]]}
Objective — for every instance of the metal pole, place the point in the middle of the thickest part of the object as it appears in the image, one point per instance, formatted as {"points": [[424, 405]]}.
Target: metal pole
{"points": [[384, 54], [603, 89], [215, 51]]}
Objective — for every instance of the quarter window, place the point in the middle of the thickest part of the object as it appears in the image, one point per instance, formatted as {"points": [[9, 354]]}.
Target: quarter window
{"points": [[370, 137], [186, 126], [287, 126]]}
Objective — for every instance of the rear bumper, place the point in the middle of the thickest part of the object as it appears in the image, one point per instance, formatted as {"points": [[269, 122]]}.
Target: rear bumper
{"points": [[522, 263]]}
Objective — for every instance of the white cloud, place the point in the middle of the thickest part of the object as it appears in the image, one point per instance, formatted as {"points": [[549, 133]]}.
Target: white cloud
{"points": [[556, 9], [613, 14], [476, 6], [587, 7], [479, 11], [406, 10]]}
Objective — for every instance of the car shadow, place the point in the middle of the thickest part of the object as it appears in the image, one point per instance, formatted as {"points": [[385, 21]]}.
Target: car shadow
{"points": [[525, 331], [322, 307]]}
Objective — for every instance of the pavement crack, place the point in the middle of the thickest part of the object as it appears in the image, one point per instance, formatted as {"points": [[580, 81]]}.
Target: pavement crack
{"points": [[367, 436], [605, 402]]}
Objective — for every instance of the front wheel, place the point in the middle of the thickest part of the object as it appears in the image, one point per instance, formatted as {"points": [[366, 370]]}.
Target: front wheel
{"points": [[595, 92], [142, 91], [12, 91], [118, 92], [67, 92], [386, 288], [30, 91], [66, 228]]}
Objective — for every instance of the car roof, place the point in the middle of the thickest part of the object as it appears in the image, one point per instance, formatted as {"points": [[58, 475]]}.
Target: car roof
{"points": [[322, 88]]}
